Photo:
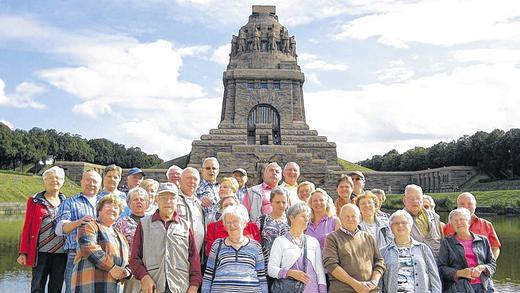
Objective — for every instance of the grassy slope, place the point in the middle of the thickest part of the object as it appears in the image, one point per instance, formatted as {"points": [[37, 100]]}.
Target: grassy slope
{"points": [[346, 165], [18, 187], [503, 198]]}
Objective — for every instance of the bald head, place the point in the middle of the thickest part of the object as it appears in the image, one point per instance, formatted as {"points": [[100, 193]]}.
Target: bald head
{"points": [[350, 216], [189, 181], [413, 199]]}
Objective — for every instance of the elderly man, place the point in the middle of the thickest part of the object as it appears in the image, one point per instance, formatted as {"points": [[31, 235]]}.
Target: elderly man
{"points": [[359, 183], [291, 173], [351, 256], [256, 200], [134, 177], [174, 174], [478, 225], [189, 206], [75, 211], [427, 227], [208, 188], [164, 254], [241, 176]]}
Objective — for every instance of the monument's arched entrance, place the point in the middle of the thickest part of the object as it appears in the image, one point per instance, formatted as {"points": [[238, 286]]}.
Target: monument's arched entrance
{"points": [[267, 115]]}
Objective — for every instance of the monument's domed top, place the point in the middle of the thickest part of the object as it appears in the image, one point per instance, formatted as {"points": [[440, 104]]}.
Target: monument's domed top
{"points": [[263, 42]]}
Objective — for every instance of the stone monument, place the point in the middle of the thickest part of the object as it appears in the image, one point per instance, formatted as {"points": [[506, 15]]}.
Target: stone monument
{"points": [[263, 110]]}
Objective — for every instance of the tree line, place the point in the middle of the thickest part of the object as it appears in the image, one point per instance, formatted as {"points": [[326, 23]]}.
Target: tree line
{"points": [[19, 147], [496, 153]]}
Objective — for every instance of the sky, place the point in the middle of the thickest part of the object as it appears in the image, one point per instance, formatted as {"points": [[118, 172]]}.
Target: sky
{"points": [[380, 75]]}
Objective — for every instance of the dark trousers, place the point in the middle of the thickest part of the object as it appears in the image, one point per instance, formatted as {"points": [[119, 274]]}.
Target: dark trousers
{"points": [[48, 266]]}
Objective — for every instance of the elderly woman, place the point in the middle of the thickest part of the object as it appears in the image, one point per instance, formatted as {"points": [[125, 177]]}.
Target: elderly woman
{"points": [[111, 179], [370, 222], [381, 195], [235, 263], [344, 188], [323, 216], [296, 255], [40, 247], [137, 201], [101, 261], [228, 187], [275, 224], [410, 265], [217, 230], [151, 187], [466, 262], [304, 190], [428, 203]]}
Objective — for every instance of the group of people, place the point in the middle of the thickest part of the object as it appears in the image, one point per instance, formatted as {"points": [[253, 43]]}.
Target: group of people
{"points": [[194, 234]]}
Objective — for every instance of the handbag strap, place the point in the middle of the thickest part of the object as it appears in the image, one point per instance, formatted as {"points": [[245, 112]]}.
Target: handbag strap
{"points": [[304, 253], [216, 259]]}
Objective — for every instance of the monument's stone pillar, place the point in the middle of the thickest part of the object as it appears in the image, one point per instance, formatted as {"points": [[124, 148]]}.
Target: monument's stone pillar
{"points": [[263, 112]]}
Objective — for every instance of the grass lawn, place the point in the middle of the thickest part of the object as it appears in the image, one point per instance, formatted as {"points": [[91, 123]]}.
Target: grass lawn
{"points": [[18, 187], [494, 198], [346, 165]]}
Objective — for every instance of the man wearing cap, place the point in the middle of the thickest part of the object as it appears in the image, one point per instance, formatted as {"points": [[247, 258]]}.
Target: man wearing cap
{"points": [[134, 177], [477, 225], [208, 188], [174, 174], [359, 183], [257, 200], [164, 254], [74, 212], [291, 173], [241, 176]]}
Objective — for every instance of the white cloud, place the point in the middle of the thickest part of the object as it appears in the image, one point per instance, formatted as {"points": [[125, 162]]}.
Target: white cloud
{"points": [[312, 62], [7, 123], [125, 76], [395, 71], [313, 78], [194, 51], [421, 111], [221, 54], [489, 56], [438, 22], [22, 97]]}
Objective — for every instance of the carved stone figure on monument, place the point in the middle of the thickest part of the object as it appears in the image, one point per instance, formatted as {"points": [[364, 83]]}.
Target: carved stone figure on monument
{"points": [[272, 39], [234, 46], [242, 40], [284, 36], [256, 40], [292, 46]]}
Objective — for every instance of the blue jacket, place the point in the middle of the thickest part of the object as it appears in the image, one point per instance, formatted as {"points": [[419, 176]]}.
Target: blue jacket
{"points": [[425, 268]]}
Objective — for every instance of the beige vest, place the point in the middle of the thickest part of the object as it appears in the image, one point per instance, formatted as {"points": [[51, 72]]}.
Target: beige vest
{"points": [[433, 239], [165, 254]]}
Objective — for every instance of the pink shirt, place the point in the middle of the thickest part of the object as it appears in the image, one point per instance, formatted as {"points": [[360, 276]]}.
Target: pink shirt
{"points": [[471, 258]]}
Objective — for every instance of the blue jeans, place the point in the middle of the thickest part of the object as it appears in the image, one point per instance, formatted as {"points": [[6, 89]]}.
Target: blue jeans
{"points": [[68, 270]]}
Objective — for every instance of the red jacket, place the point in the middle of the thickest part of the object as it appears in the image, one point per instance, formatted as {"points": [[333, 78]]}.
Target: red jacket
{"points": [[34, 213], [216, 231]]}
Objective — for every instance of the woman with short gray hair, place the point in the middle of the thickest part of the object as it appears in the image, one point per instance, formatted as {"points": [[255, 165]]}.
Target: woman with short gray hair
{"points": [[40, 247], [235, 263], [296, 255], [466, 262], [410, 265]]}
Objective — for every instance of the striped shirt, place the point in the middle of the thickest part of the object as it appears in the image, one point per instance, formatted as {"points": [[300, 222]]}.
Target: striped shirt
{"points": [[270, 229], [73, 209], [241, 270], [48, 241], [210, 190]]}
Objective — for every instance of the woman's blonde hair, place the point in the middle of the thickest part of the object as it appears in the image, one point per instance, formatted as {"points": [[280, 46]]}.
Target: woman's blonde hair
{"points": [[368, 195], [110, 198], [331, 209], [231, 182]]}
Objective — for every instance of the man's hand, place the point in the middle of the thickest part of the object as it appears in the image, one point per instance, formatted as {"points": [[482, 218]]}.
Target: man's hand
{"points": [[206, 201], [299, 275], [192, 289], [22, 259], [84, 220], [361, 287], [147, 284]]}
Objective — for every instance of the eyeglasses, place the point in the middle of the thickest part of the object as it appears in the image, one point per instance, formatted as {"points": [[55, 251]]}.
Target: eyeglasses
{"points": [[357, 178], [400, 223]]}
